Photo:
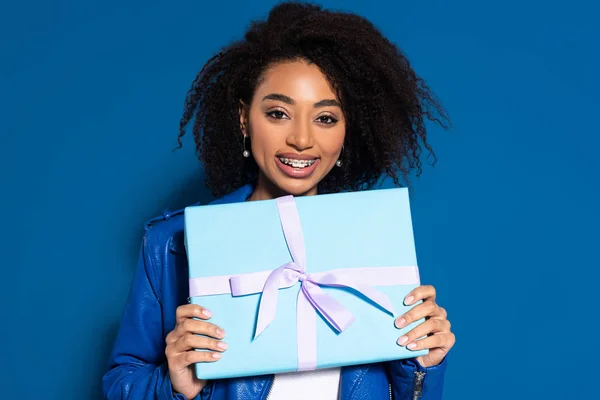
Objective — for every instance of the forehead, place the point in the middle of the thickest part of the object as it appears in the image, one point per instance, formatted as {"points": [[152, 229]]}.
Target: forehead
{"points": [[297, 79]]}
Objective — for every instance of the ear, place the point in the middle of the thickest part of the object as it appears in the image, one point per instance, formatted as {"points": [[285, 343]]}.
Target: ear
{"points": [[243, 111]]}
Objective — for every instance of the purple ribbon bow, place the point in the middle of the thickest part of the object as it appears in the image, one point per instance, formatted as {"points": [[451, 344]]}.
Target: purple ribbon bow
{"points": [[289, 274]]}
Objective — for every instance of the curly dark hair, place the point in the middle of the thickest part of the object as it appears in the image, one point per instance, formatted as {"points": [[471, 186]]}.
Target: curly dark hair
{"points": [[384, 102]]}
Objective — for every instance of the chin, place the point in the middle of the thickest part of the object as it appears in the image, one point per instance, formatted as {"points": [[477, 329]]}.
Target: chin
{"points": [[297, 187]]}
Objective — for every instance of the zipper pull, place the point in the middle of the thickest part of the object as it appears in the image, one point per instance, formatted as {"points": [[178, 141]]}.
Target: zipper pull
{"points": [[418, 390]]}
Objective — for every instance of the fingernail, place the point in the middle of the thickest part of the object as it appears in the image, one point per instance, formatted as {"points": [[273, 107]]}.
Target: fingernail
{"points": [[412, 345], [222, 345], [400, 323], [207, 313], [216, 355], [409, 300], [220, 332], [402, 340]]}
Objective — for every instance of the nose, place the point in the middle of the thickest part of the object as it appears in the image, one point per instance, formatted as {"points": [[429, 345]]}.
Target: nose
{"points": [[301, 136]]}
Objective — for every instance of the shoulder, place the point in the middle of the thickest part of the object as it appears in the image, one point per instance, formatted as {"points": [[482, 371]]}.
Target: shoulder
{"points": [[163, 248], [164, 234], [165, 230], [166, 221]]}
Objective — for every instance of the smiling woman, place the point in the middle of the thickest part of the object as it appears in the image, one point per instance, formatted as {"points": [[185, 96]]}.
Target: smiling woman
{"points": [[297, 129], [306, 71], [310, 101]]}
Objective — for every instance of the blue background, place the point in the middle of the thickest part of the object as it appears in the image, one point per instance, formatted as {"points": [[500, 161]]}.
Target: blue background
{"points": [[506, 222]]}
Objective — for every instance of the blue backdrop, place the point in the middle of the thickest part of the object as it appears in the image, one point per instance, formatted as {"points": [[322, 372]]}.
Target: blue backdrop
{"points": [[506, 222]]}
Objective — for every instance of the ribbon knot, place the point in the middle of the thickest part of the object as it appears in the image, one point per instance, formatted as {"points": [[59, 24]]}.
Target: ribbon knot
{"points": [[302, 277]]}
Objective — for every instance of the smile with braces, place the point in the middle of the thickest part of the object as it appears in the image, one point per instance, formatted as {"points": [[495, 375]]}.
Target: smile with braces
{"points": [[296, 163]]}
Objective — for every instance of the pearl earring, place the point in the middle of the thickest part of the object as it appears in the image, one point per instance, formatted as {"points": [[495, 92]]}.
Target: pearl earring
{"points": [[245, 153], [338, 163]]}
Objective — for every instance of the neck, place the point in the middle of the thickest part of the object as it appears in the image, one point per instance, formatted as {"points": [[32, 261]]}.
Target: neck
{"points": [[266, 190]]}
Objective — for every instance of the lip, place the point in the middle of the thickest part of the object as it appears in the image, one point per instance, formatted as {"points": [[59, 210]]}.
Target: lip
{"points": [[297, 173]]}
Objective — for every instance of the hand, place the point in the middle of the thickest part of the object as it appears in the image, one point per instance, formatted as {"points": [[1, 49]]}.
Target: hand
{"points": [[439, 339], [181, 343]]}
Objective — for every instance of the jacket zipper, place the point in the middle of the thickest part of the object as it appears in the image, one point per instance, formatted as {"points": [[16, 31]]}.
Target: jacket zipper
{"points": [[418, 389], [270, 388], [390, 389]]}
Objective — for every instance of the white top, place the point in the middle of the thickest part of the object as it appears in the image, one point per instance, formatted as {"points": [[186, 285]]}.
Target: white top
{"points": [[322, 384]]}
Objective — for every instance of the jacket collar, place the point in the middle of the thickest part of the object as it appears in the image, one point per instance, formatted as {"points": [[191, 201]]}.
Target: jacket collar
{"points": [[237, 196]]}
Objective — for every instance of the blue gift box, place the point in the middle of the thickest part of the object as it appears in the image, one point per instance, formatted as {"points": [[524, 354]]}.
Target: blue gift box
{"points": [[368, 232]]}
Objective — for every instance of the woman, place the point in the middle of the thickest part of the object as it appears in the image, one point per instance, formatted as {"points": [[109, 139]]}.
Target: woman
{"points": [[310, 101]]}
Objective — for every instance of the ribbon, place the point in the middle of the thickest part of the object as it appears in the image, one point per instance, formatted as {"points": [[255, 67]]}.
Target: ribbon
{"points": [[311, 298]]}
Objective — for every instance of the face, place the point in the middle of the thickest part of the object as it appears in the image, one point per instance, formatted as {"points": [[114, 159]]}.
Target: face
{"points": [[296, 127]]}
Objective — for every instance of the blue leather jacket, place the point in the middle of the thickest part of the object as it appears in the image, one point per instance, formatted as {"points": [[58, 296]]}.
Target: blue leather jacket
{"points": [[137, 366]]}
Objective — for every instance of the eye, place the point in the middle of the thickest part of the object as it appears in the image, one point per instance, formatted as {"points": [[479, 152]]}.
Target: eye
{"points": [[327, 120], [276, 114]]}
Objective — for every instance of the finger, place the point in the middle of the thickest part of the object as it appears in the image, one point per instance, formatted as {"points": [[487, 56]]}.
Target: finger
{"points": [[420, 293], [191, 311], [193, 342], [444, 341], [191, 357], [441, 313], [172, 337], [426, 309], [431, 326], [189, 325]]}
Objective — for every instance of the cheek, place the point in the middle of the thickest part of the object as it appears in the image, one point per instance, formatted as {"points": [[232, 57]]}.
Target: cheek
{"points": [[263, 138], [332, 143]]}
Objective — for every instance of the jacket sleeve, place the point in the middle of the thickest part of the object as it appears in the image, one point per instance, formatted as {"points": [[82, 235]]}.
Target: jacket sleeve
{"points": [[409, 379], [137, 367]]}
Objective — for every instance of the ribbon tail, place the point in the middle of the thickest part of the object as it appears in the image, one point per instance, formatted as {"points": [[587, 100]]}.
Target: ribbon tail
{"points": [[333, 312], [268, 301], [339, 280], [306, 326]]}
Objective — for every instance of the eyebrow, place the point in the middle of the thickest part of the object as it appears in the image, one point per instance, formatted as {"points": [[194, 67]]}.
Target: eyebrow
{"points": [[289, 100]]}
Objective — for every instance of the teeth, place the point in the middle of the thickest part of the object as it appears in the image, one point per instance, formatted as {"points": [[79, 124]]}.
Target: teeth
{"points": [[297, 163]]}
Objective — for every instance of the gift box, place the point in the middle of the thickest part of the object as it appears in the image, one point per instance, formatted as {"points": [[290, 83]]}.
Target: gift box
{"points": [[303, 283]]}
